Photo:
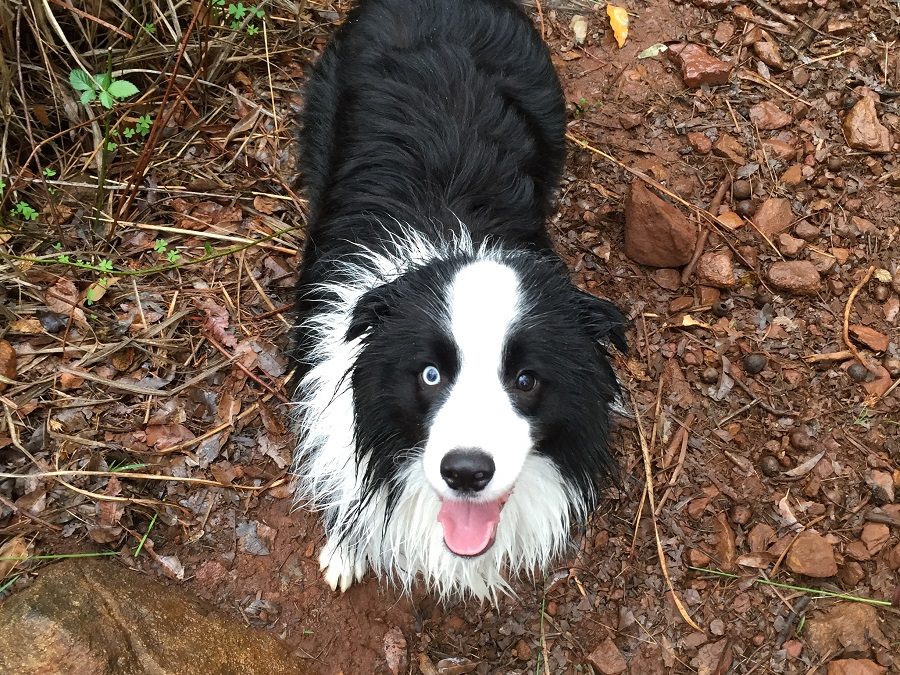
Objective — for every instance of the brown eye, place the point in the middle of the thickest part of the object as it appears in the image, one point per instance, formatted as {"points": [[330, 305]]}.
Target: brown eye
{"points": [[525, 381]]}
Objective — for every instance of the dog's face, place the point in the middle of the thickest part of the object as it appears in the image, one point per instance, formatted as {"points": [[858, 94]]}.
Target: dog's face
{"points": [[470, 367]]}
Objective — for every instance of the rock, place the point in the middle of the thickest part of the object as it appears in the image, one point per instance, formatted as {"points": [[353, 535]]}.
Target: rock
{"points": [[699, 142], [607, 659], [790, 246], [870, 337], [773, 216], [848, 627], [875, 536], [668, 279], [97, 618], [779, 149], [766, 115], [807, 231], [795, 276], [882, 485], [7, 362], [724, 33], [698, 66], [730, 148], [893, 558], [730, 220], [823, 262], [768, 53], [812, 556], [716, 268], [862, 129], [854, 667], [656, 233], [793, 175]]}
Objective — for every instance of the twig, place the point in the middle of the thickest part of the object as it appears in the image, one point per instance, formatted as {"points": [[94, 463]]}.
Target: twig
{"points": [[648, 472], [848, 308], [135, 476], [714, 205], [681, 438], [778, 14], [841, 355]]}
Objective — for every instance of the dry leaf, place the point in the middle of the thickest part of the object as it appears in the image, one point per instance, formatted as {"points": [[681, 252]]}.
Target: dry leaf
{"points": [[26, 326], [883, 276], [62, 298], [7, 362], [579, 28], [618, 19], [171, 566], [395, 651], [16, 547]]}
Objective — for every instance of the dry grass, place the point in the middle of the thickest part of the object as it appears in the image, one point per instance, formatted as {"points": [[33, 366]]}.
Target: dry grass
{"points": [[147, 296]]}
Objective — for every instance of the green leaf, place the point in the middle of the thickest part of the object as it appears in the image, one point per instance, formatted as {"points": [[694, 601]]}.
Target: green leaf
{"points": [[49, 172], [106, 99], [252, 30], [88, 96], [238, 11], [64, 259], [110, 145], [80, 80], [122, 89], [105, 266], [103, 80], [129, 132], [160, 245]]}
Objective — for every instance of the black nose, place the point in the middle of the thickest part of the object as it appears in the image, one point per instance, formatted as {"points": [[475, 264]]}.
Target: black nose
{"points": [[467, 470]]}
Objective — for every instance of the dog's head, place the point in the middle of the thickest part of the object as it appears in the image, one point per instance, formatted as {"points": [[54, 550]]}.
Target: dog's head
{"points": [[470, 367]]}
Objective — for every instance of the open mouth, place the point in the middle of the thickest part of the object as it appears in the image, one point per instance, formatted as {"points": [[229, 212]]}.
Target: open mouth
{"points": [[470, 528]]}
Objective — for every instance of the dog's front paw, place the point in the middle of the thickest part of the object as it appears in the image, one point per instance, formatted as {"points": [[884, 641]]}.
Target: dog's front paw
{"points": [[341, 567]]}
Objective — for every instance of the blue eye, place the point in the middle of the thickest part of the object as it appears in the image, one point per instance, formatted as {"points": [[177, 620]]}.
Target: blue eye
{"points": [[431, 376], [525, 381]]}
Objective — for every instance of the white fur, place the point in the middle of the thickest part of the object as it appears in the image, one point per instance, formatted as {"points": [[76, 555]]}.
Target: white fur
{"points": [[478, 413], [534, 523]]}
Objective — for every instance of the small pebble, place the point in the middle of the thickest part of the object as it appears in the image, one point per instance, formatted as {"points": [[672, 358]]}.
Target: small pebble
{"points": [[754, 363], [800, 440], [835, 163], [881, 292], [720, 309], [745, 208], [858, 372], [709, 376], [741, 189], [892, 365], [769, 465]]}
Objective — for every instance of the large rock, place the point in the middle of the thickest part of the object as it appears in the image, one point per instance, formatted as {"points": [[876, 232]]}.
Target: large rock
{"points": [[812, 556], [848, 628], [97, 618], [854, 667], [656, 233], [795, 276], [862, 129], [698, 66]]}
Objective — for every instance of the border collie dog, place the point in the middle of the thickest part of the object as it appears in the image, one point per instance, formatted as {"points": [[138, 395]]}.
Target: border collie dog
{"points": [[454, 386]]}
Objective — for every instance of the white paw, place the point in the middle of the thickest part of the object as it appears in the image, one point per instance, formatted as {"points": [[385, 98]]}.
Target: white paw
{"points": [[339, 567]]}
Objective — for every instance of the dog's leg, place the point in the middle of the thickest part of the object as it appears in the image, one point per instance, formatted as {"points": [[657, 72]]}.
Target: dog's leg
{"points": [[341, 565]]}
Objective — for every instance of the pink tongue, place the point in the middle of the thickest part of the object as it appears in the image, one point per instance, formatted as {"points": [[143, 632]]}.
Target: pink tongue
{"points": [[469, 528]]}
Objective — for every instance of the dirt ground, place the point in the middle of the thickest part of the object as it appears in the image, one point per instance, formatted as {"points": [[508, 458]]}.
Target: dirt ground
{"points": [[774, 454]]}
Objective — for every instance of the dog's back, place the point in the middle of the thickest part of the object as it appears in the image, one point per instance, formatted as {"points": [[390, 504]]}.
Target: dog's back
{"points": [[430, 112]]}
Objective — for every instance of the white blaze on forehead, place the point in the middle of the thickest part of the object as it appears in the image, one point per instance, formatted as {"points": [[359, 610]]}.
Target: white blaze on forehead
{"points": [[485, 302]]}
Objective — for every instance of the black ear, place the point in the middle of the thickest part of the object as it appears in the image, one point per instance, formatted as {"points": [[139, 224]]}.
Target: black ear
{"points": [[370, 311], [603, 320]]}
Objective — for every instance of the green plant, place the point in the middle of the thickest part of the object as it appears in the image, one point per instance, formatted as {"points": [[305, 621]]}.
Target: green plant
{"points": [[161, 246], [141, 127], [101, 87], [49, 172], [25, 210], [237, 13], [150, 28], [2, 187]]}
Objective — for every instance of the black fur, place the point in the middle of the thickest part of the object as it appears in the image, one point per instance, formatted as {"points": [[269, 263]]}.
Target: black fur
{"points": [[428, 113]]}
